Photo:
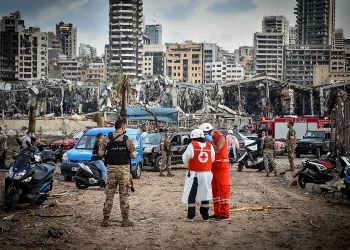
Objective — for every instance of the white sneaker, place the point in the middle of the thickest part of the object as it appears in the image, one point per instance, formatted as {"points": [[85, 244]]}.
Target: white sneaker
{"points": [[189, 220]]}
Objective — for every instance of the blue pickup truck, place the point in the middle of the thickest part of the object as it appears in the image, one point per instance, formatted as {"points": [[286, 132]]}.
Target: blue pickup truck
{"points": [[82, 151]]}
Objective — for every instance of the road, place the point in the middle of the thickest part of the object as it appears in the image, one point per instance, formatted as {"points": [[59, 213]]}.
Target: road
{"points": [[312, 222]]}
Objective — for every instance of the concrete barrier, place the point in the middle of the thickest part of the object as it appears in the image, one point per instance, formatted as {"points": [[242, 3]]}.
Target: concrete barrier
{"points": [[48, 125]]}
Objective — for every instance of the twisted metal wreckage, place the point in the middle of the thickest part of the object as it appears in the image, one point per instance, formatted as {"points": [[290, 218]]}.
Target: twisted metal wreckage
{"points": [[256, 97]]}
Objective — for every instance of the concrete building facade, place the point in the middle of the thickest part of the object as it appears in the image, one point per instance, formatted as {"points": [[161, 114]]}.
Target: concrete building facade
{"points": [[185, 62], [64, 68], [324, 76], [54, 46], [293, 35], [154, 60], [220, 72], [96, 73], [268, 53], [87, 51], [24, 52], [276, 24], [154, 33], [126, 36], [338, 39], [318, 30], [301, 59], [67, 35]]}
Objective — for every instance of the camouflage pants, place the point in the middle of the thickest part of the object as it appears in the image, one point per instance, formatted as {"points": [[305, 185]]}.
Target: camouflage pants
{"points": [[290, 150], [118, 175], [269, 159], [166, 163]]}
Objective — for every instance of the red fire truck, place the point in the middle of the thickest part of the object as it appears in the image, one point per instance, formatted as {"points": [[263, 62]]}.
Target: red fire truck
{"points": [[279, 126]]}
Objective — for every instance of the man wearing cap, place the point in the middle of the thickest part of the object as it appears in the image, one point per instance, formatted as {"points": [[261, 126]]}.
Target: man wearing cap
{"points": [[232, 144], [165, 147], [221, 173], [198, 157]]}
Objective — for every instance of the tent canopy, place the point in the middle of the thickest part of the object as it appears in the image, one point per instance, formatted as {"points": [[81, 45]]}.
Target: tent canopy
{"points": [[163, 114]]}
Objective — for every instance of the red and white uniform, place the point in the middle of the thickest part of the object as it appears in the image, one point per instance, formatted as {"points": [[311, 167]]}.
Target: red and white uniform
{"points": [[199, 157], [232, 142], [221, 180]]}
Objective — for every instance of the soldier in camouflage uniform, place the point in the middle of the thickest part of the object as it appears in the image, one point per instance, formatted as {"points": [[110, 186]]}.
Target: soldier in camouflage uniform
{"points": [[165, 146], [268, 151], [291, 144], [3, 149], [119, 152]]}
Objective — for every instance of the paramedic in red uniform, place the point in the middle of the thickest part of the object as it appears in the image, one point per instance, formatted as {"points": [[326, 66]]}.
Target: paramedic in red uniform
{"points": [[221, 173], [198, 157]]}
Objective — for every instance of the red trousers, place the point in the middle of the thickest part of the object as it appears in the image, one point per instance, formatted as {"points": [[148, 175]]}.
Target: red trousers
{"points": [[221, 189]]}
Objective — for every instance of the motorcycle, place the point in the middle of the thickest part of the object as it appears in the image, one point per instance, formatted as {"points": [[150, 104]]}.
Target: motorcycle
{"points": [[346, 189], [88, 175], [259, 162], [28, 180], [320, 171]]}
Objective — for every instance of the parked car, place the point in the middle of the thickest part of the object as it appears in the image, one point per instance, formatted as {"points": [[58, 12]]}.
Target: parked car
{"points": [[251, 136], [280, 148], [66, 144], [152, 154], [314, 142], [242, 139], [82, 151]]}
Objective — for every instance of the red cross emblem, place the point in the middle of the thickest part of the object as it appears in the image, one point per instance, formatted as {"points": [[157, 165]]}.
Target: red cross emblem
{"points": [[203, 157]]}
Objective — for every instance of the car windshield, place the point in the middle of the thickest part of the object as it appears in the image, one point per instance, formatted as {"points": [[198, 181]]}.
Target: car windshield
{"points": [[152, 138], [86, 142], [314, 134], [135, 138], [78, 135], [240, 136]]}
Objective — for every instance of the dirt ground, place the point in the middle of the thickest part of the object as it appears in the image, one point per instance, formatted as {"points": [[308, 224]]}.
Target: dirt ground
{"points": [[312, 222]]}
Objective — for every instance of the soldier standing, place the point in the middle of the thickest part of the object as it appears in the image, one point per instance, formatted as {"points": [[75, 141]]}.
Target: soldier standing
{"points": [[268, 150], [3, 149], [165, 146], [119, 150], [291, 143]]}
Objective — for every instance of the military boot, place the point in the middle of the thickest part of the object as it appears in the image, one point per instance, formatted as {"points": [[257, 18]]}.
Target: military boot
{"points": [[275, 173], [127, 223], [170, 174], [161, 174], [268, 174], [105, 221]]}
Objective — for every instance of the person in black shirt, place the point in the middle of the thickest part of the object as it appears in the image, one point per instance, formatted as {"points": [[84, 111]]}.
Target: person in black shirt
{"points": [[96, 159]]}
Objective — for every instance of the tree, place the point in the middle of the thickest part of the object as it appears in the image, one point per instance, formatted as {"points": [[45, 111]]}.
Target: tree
{"points": [[122, 87], [32, 114]]}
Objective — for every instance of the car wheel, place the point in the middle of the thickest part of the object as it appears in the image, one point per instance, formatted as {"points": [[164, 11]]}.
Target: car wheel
{"points": [[302, 180], [67, 178], [318, 152], [158, 163], [136, 174]]}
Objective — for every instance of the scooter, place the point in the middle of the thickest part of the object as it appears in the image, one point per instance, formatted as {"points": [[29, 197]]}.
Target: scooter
{"points": [[28, 180], [319, 171], [259, 162], [88, 175]]}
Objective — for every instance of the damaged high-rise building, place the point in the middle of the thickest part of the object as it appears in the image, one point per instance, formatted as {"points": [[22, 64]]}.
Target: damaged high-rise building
{"points": [[315, 21], [24, 52], [67, 35], [126, 36]]}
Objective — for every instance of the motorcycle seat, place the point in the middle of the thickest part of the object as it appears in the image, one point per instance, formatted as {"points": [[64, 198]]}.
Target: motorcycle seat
{"points": [[42, 171], [327, 164]]}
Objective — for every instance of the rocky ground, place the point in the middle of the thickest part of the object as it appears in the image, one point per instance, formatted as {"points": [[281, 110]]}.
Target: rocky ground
{"points": [[308, 221]]}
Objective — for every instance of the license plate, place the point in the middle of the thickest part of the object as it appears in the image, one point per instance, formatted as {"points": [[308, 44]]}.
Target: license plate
{"points": [[74, 169]]}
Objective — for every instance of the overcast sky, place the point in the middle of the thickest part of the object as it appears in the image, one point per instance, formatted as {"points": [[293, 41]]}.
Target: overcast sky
{"points": [[229, 23]]}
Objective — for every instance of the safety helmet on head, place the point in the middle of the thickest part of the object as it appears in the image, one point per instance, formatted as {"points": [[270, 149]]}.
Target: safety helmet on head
{"points": [[230, 132], [197, 133], [206, 127]]}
